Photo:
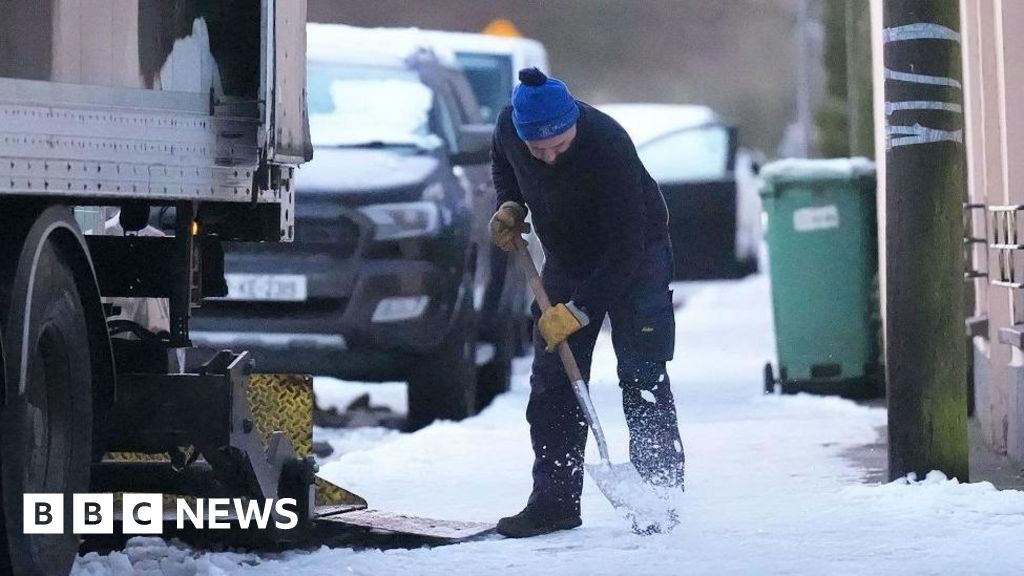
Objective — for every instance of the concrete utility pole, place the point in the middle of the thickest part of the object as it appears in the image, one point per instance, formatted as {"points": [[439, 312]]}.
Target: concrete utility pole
{"points": [[924, 190]]}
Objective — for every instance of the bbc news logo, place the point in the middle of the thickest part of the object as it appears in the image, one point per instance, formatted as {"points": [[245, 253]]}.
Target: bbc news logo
{"points": [[144, 513]]}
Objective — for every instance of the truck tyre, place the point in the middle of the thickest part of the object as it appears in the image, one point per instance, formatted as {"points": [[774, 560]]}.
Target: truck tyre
{"points": [[522, 315], [5, 564], [46, 425], [495, 377], [746, 266], [442, 385], [524, 338]]}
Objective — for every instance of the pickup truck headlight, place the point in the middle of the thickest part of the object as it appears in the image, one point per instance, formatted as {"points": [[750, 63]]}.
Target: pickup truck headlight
{"points": [[404, 220]]}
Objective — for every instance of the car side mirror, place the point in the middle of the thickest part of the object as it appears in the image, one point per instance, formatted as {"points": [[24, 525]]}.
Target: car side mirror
{"points": [[474, 145]]}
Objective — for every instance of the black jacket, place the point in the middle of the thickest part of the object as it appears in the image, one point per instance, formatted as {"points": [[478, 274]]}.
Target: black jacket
{"points": [[594, 211]]}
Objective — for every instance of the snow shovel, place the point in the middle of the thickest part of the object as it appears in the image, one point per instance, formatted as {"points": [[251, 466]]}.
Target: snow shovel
{"points": [[647, 506]]}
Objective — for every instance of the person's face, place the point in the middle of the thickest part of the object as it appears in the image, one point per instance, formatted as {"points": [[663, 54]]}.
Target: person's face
{"points": [[549, 149]]}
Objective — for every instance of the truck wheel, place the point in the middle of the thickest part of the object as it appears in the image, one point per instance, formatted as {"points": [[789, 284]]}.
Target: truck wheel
{"points": [[442, 385], [46, 426], [523, 318], [495, 377], [524, 326], [769, 379], [747, 266], [5, 563]]}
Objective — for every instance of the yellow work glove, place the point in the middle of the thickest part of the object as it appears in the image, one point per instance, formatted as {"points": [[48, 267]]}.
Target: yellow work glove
{"points": [[559, 322], [507, 224]]}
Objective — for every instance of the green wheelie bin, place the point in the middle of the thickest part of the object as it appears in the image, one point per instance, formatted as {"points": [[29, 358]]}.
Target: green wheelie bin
{"points": [[821, 232]]}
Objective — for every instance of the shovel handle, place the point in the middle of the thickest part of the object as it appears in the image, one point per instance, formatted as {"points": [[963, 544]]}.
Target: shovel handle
{"points": [[572, 369], [533, 277]]}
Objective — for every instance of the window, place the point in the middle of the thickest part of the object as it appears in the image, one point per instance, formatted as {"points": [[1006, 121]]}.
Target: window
{"points": [[445, 123], [692, 154], [352, 105], [490, 76]]}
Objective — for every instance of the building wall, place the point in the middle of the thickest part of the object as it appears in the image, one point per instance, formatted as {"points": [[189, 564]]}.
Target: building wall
{"points": [[994, 134], [1009, 23], [992, 40], [987, 146]]}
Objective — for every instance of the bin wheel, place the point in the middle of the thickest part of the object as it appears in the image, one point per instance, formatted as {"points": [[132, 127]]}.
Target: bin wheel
{"points": [[769, 378]]}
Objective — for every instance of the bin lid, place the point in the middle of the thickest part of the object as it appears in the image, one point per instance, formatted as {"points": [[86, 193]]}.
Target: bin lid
{"points": [[806, 169]]}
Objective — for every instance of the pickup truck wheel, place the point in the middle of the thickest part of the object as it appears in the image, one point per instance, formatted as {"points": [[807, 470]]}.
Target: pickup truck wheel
{"points": [[496, 376], [523, 317], [524, 338], [442, 385], [46, 426], [746, 266]]}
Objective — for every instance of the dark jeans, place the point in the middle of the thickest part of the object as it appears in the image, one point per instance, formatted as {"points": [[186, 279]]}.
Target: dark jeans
{"points": [[643, 335]]}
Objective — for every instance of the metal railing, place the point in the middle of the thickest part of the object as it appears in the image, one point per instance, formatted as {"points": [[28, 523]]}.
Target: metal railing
{"points": [[972, 267], [1007, 246]]}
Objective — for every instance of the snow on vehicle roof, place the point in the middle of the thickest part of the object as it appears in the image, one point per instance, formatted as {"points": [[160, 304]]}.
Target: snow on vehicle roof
{"points": [[646, 122], [532, 50], [817, 169], [334, 41], [340, 42]]}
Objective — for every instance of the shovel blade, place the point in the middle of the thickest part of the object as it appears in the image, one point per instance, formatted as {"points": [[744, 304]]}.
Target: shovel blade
{"points": [[652, 509]]}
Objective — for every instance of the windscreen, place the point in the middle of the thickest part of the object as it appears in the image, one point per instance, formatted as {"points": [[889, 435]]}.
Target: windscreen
{"points": [[688, 155], [369, 106]]}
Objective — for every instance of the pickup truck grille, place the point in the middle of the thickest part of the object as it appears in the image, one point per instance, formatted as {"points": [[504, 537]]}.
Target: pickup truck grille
{"points": [[340, 237]]}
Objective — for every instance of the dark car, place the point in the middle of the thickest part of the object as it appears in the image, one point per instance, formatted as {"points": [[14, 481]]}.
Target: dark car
{"points": [[708, 182], [390, 276]]}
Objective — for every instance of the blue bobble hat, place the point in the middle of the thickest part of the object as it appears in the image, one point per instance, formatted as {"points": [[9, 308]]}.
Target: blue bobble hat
{"points": [[542, 107]]}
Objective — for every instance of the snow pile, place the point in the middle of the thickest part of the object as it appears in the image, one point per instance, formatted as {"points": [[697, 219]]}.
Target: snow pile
{"points": [[815, 169], [147, 556], [338, 394], [769, 487]]}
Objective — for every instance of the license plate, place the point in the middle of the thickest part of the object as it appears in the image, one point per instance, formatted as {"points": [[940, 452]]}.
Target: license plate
{"points": [[266, 287]]}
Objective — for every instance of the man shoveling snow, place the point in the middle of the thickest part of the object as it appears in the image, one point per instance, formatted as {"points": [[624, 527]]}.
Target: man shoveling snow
{"points": [[603, 224]]}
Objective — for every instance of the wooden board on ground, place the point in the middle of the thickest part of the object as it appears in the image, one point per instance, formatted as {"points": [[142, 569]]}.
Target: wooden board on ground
{"points": [[448, 531]]}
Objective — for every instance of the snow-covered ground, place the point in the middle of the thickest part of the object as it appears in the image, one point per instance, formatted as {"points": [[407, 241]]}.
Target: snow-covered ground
{"points": [[769, 490]]}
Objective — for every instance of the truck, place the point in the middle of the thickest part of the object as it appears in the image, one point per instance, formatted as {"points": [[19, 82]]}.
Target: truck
{"points": [[141, 105]]}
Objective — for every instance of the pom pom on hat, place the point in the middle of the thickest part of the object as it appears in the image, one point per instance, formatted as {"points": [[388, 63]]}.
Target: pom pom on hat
{"points": [[542, 107], [532, 77]]}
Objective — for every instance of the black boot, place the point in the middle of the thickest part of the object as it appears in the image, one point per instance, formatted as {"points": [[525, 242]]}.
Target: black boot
{"points": [[535, 520]]}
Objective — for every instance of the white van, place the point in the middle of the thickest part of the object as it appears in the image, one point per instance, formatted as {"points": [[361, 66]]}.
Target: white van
{"points": [[709, 183], [490, 63]]}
